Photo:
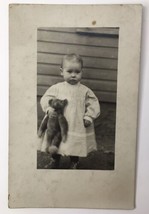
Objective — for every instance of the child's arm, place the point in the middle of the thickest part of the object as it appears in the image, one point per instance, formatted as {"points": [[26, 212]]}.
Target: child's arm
{"points": [[92, 108], [49, 94]]}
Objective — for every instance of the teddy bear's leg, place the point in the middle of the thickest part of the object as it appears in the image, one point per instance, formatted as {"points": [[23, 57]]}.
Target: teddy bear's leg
{"points": [[49, 137], [63, 127], [45, 144], [55, 143], [57, 139]]}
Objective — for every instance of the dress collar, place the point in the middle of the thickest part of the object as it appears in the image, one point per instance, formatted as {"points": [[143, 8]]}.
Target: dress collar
{"points": [[66, 83]]}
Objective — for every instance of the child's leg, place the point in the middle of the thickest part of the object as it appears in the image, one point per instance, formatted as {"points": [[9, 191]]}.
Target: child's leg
{"points": [[74, 162], [74, 159]]}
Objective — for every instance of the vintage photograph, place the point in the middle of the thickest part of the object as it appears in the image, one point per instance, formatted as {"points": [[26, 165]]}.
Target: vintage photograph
{"points": [[76, 97], [74, 75]]}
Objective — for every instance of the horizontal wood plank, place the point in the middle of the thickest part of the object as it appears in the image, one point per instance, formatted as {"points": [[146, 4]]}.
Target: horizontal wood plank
{"points": [[61, 37], [102, 74], [87, 61], [93, 84], [99, 30], [90, 51], [58, 29], [104, 96]]}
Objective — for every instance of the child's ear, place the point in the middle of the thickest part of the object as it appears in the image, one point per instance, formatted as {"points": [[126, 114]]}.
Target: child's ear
{"points": [[50, 102]]}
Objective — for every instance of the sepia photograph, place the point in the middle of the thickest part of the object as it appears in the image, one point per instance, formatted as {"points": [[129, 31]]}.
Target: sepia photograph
{"points": [[76, 97], [73, 105]]}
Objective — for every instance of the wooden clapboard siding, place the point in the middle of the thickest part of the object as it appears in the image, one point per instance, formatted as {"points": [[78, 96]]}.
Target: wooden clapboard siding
{"points": [[87, 61], [93, 84], [87, 40], [91, 51], [102, 74], [105, 96], [97, 46]]}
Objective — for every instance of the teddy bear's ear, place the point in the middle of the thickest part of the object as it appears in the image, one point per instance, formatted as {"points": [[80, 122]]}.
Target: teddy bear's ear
{"points": [[65, 102], [50, 102]]}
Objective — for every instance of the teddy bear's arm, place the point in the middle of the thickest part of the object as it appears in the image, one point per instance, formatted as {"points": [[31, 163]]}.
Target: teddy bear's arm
{"points": [[43, 126]]}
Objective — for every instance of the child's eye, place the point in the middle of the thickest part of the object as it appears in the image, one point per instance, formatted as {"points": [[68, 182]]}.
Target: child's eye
{"points": [[77, 71], [70, 71]]}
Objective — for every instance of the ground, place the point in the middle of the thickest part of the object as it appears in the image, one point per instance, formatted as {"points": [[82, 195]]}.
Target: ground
{"points": [[103, 158]]}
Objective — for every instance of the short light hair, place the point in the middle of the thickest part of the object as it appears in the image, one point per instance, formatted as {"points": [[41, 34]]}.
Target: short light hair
{"points": [[70, 57]]}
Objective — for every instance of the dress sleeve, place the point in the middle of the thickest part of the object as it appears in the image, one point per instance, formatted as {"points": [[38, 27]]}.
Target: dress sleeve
{"points": [[92, 106], [49, 94]]}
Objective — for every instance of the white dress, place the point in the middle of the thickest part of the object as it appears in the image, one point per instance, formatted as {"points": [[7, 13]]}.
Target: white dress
{"points": [[82, 104]]}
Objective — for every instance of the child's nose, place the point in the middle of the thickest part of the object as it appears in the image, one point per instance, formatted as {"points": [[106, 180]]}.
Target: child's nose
{"points": [[73, 74]]}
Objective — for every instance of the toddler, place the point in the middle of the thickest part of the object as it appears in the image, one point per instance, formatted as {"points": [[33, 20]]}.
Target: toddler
{"points": [[83, 107]]}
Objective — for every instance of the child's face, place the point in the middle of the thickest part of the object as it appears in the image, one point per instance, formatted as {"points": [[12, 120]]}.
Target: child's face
{"points": [[71, 72]]}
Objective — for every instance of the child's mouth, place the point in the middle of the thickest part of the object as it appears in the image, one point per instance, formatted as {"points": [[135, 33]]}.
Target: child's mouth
{"points": [[72, 81]]}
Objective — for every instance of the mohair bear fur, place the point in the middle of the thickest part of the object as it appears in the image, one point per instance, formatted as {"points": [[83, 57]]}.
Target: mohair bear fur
{"points": [[55, 125]]}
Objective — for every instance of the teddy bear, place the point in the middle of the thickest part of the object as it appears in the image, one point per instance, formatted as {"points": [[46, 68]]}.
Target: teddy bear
{"points": [[54, 125]]}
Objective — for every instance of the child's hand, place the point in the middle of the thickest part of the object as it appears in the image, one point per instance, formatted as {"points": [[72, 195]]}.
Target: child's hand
{"points": [[52, 114], [87, 123]]}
